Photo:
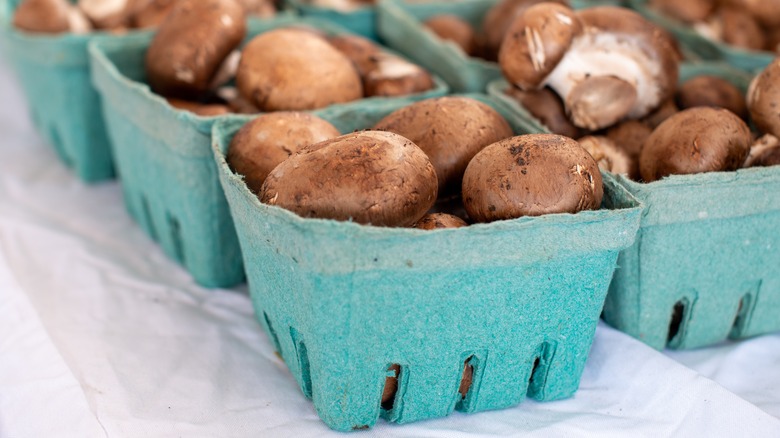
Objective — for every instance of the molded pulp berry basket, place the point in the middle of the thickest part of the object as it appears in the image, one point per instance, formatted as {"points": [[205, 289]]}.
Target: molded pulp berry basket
{"points": [[704, 265], [748, 60], [518, 300], [166, 165], [65, 108], [400, 25]]}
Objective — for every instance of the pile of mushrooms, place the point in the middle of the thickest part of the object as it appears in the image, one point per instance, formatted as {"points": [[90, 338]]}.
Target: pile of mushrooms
{"points": [[60, 16], [747, 24], [608, 77], [437, 163], [194, 56]]}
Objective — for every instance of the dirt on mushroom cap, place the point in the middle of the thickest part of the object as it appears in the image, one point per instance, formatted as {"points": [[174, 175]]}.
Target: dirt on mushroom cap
{"points": [[531, 175]]}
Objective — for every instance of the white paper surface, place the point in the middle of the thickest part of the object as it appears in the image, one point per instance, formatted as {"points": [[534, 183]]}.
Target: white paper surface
{"points": [[102, 335]]}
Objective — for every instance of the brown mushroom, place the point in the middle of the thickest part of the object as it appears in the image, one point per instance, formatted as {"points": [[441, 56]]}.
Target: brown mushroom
{"points": [[608, 156], [546, 107], [450, 130], [359, 50], [450, 27], [689, 11], [191, 45], [705, 90], [271, 138], [629, 136], [108, 14], [606, 63], [395, 76], [740, 29], [436, 221], [664, 111], [151, 13], [497, 20], [696, 140], [765, 11], [764, 152], [292, 69], [531, 175], [370, 177], [259, 8], [763, 99], [49, 16]]}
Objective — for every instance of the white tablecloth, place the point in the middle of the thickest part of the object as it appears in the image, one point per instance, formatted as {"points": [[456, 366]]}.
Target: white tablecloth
{"points": [[101, 335]]}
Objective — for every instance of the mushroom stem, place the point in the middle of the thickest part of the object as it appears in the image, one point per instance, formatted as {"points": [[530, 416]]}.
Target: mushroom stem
{"points": [[600, 101], [609, 54]]}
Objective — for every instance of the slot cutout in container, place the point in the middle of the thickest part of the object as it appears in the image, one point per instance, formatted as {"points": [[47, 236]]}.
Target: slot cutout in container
{"points": [[539, 370], [468, 383], [303, 362], [740, 320], [680, 313], [390, 391], [467, 378], [178, 245], [272, 332], [147, 212]]}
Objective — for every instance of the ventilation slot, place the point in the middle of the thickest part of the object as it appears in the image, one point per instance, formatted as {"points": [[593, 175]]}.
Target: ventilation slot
{"points": [[390, 392], [175, 230], [466, 383], [148, 218], [740, 321], [676, 324], [303, 362], [272, 332], [539, 371]]}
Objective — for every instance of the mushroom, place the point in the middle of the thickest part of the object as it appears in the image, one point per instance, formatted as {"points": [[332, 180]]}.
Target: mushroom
{"points": [[606, 63], [108, 14], [764, 152], [263, 143], [152, 13], [259, 8], [450, 130], [49, 16], [450, 27], [629, 137], [740, 28], [531, 175], [547, 107], [689, 11], [293, 69], [608, 156], [705, 90], [437, 221], [663, 112], [369, 177], [497, 20], [191, 45], [696, 140], [763, 99], [359, 50]]}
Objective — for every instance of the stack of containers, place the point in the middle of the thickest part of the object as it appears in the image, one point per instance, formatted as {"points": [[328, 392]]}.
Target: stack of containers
{"points": [[163, 155], [517, 300]]}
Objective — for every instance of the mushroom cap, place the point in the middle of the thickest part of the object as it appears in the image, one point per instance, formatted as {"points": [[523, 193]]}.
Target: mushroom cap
{"points": [[361, 51], [763, 99], [667, 109], [450, 27], [370, 177], [531, 175], [395, 76], [292, 69], [436, 221], [191, 44], [599, 101], [42, 16], [547, 107], [764, 152], [151, 13], [535, 42], [450, 130], [629, 136], [263, 143], [696, 140], [765, 11], [705, 90], [741, 29], [498, 19], [689, 11]]}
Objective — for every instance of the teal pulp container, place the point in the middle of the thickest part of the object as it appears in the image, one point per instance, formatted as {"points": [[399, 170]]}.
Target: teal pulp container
{"points": [[518, 300], [703, 267], [693, 42], [165, 162], [54, 73], [399, 24]]}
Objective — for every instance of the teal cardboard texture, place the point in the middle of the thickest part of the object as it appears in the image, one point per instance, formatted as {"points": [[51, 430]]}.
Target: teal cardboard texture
{"points": [[342, 302], [693, 42], [164, 158], [54, 73], [360, 21], [703, 268]]}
